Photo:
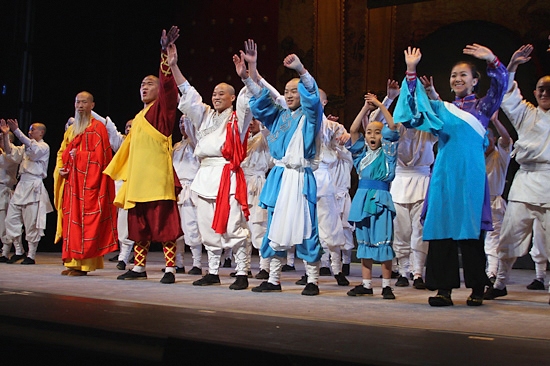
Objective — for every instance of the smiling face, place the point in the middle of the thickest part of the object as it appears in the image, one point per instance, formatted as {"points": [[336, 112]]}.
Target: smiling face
{"points": [[462, 80], [149, 89], [292, 97], [223, 97], [373, 135], [542, 93]]}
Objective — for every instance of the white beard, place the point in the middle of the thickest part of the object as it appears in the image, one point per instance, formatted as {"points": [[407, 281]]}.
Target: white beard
{"points": [[81, 122]]}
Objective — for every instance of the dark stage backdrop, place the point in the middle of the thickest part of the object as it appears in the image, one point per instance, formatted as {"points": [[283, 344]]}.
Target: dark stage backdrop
{"points": [[56, 49]]}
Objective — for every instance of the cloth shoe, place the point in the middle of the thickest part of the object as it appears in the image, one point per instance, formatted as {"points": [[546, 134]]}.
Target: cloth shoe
{"points": [[240, 283], [132, 275], [440, 300], [474, 300], [121, 265], [168, 278], [311, 289], [324, 271], [208, 280], [262, 275], [360, 290], [15, 258], [287, 268], [302, 281], [178, 270], [537, 284], [77, 273], [387, 293], [492, 293], [267, 287], [195, 271], [419, 284], [28, 260], [4, 259], [402, 281], [341, 279]]}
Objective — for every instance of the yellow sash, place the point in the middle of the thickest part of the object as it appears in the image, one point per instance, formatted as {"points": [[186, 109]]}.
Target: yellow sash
{"points": [[144, 164]]}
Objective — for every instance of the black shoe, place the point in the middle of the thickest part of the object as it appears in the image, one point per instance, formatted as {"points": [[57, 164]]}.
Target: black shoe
{"points": [[345, 269], [131, 275], [536, 285], [114, 258], [360, 290], [311, 289], [4, 259], [341, 279], [227, 263], [492, 293], [267, 287], [28, 260], [262, 275], [208, 280], [121, 265], [402, 281], [15, 258], [387, 293], [240, 283], [195, 271], [440, 300], [474, 300], [234, 274], [302, 281], [419, 284], [168, 277], [324, 271], [287, 268]]}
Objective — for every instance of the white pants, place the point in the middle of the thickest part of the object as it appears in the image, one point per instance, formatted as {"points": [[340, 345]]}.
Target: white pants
{"points": [[331, 232], [408, 241], [19, 216], [515, 237], [538, 252], [235, 237], [126, 245], [492, 238]]}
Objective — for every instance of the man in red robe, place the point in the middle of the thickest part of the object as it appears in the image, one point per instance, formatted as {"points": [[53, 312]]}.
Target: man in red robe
{"points": [[144, 164], [89, 216]]}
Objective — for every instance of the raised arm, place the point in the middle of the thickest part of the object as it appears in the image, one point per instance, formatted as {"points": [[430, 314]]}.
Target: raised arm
{"points": [[392, 92], [5, 135], [429, 86], [502, 131], [521, 56], [357, 122], [371, 99]]}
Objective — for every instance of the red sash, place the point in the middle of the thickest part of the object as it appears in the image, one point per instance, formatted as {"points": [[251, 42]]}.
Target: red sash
{"points": [[235, 152]]}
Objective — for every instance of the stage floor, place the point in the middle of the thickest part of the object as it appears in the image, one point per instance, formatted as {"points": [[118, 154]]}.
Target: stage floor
{"points": [[44, 314]]}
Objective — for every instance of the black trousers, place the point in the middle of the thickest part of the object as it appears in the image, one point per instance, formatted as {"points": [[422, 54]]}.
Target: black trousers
{"points": [[443, 268]]}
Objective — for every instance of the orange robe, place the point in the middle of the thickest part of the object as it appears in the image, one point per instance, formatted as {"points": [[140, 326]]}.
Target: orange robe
{"points": [[89, 216]]}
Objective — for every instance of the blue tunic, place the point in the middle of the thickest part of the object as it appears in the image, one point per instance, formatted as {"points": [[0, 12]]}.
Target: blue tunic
{"points": [[282, 124], [372, 208], [457, 202]]}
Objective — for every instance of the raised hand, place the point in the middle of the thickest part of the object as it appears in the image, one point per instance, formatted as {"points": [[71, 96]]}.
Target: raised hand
{"points": [[429, 87], [169, 37], [172, 55], [240, 65], [522, 55], [372, 101], [479, 51], [13, 124], [412, 58], [293, 62], [250, 51], [4, 128], [392, 90], [330, 117]]}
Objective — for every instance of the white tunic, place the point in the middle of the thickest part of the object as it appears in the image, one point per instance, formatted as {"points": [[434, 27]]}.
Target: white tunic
{"points": [[496, 165], [531, 150]]}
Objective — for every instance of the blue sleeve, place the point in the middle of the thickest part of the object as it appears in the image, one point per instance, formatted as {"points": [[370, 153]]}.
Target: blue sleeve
{"points": [[490, 103], [313, 111], [414, 109], [264, 109]]}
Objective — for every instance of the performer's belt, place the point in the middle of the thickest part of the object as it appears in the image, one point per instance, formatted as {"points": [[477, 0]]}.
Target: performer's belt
{"points": [[374, 184], [217, 161], [413, 170], [533, 167], [304, 163]]}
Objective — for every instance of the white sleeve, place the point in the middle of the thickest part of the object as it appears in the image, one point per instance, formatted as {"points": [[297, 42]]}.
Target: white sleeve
{"points": [[244, 115], [115, 137], [191, 104]]}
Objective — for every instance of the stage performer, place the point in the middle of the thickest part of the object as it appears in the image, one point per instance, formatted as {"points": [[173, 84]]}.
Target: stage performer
{"points": [[8, 179], [89, 216], [30, 202], [144, 164], [220, 185], [290, 191], [457, 205]]}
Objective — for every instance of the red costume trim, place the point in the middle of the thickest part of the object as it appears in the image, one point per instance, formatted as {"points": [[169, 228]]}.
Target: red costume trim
{"points": [[235, 152]]}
